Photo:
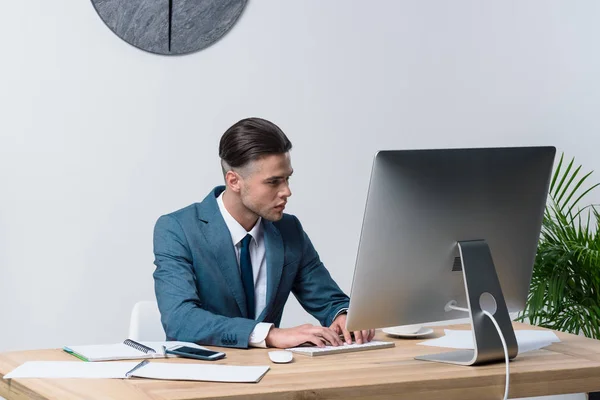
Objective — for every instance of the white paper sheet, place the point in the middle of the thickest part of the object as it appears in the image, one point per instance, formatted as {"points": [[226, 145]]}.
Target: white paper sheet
{"points": [[202, 372], [527, 340], [152, 370], [71, 369]]}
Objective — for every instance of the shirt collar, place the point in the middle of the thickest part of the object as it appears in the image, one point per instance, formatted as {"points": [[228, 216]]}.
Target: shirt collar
{"points": [[236, 230]]}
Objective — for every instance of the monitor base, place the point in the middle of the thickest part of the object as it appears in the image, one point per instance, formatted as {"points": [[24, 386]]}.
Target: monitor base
{"points": [[461, 357]]}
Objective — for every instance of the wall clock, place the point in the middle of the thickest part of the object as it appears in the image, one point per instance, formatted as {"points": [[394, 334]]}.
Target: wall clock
{"points": [[170, 27]]}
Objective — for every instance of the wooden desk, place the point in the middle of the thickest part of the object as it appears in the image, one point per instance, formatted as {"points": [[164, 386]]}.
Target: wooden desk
{"points": [[571, 366]]}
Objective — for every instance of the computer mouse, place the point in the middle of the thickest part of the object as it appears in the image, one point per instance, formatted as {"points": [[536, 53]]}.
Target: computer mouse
{"points": [[281, 356]]}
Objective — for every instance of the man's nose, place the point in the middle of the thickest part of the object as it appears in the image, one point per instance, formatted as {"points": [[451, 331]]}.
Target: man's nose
{"points": [[287, 192]]}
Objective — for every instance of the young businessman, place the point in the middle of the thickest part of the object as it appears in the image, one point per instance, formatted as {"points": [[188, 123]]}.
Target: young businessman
{"points": [[226, 266]]}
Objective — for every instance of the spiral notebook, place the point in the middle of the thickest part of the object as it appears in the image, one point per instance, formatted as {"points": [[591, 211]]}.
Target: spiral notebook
{"points": [[128, 350]]}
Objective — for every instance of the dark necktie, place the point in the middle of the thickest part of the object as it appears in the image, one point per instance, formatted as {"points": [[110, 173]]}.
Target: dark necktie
{"points": [[247, 277]]}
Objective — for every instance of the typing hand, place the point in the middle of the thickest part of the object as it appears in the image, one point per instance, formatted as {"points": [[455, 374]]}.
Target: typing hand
{"points": [[292, 337], [339, 326]]}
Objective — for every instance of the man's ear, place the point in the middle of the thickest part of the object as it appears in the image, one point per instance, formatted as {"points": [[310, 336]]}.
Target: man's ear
{"points": [[232, 179]]}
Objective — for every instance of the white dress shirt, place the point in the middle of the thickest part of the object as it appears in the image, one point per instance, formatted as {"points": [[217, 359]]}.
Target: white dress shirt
{"points": [[259, 267]]}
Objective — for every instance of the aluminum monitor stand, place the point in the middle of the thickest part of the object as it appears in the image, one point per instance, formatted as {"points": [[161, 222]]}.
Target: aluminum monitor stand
{"points": [[483, 293]]}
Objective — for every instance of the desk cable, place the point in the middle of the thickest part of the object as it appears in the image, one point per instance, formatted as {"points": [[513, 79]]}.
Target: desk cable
{"points": [[452, 306], [490, 316]]}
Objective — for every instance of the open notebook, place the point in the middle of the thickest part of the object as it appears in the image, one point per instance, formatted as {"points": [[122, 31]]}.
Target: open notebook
{"points": [[128, 350], [144, 369]]}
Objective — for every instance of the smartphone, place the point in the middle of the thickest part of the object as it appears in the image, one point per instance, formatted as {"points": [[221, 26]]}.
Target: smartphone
{"points": [[192, 352]]}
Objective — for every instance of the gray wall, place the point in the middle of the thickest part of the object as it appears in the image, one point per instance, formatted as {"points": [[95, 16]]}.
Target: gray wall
{"points": [[97, 138]]}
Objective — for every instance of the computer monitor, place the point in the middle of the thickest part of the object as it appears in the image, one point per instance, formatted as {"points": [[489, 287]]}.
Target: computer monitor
{"points": [[441, 224]]}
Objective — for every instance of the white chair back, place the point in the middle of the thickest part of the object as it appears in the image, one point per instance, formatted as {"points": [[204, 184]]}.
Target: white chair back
{"points": [[145, 322]]}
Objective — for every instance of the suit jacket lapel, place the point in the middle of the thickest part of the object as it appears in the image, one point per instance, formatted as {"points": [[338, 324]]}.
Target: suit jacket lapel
{"points": [[219, 241], [274, 254]]}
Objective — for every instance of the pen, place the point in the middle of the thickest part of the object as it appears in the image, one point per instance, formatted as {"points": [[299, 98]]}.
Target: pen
{"points": [[71, 352], [140, 365]]}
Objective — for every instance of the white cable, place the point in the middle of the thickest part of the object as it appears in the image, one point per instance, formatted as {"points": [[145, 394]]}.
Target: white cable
{"points": [[490, 316], [452, 306]]}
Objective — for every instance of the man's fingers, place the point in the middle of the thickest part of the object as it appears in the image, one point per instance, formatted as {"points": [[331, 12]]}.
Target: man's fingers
{"points": [[358, 337], [323, 336], [326, 334], [365, 335], [347, 336], [336, 328], [316, 340], [331, 336], [371, 334]]}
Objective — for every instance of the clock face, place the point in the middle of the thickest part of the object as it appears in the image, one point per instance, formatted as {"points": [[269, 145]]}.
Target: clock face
{"points": [[170, 27]]}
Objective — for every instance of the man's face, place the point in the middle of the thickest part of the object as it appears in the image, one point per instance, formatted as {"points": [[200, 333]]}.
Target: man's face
{"points": [[265, 186]]}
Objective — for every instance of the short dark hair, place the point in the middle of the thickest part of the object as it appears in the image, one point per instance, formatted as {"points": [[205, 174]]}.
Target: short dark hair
{"points": [[250, 139]]}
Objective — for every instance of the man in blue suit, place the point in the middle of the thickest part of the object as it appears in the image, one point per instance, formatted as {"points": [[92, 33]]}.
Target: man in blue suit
{"points": [[226, 266]]}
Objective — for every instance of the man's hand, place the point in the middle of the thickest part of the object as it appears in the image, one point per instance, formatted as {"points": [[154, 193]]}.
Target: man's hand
{"points": [[292, 337], [339, 326]]}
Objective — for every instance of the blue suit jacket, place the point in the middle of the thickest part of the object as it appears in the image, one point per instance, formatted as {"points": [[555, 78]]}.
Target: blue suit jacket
{"points": [[198, 284]]}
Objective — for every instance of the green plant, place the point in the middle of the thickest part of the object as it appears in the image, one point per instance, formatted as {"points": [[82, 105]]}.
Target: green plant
{"points": [[565, 285]]}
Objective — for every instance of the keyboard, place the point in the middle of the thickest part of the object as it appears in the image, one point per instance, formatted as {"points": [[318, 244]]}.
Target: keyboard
{"points": [[345, 348]]}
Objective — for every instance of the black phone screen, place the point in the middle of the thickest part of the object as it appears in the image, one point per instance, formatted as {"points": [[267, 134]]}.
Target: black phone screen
{"points": [[195, 351]]}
